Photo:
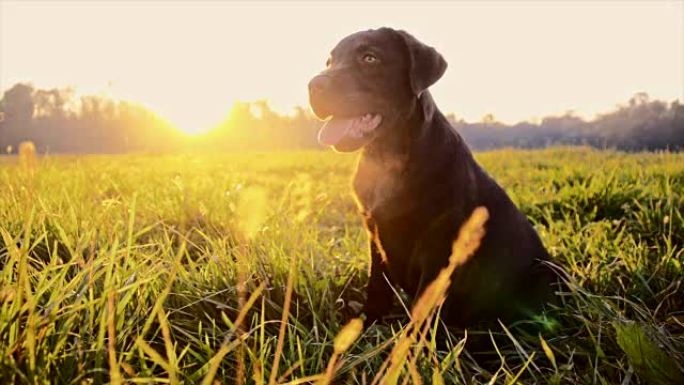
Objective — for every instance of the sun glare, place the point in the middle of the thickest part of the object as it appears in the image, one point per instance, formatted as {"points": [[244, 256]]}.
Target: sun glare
{"points": [[199, 118], [194, 119], [192, 126]]}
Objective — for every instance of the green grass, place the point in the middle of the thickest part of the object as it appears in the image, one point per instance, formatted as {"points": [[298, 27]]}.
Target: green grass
{"points": [[125, 268]]}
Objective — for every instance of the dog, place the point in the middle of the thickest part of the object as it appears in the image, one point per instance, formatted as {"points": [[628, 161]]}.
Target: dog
{"points": [[417, 182]]}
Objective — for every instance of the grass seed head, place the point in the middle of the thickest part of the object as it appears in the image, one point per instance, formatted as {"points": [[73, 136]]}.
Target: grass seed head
{"points": [[346, 337]]}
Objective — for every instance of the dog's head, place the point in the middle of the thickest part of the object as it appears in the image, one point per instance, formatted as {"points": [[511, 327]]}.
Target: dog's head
{"points": [[371, 79]]}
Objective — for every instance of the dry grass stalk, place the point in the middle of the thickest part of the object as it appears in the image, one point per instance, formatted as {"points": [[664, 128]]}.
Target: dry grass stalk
{"points": [[283, 323], [114, 372], [227, 345], [27, 155], [343, 341], [241, 289], [168, 344], [251, 214]]}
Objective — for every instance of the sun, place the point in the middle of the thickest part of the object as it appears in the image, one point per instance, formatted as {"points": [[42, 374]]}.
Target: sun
{"points": [[192, 126], [194, 121], [191, 117]]}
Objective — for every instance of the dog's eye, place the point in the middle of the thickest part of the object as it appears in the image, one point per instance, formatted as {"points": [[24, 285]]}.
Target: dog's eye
{"points": [[369, 58]]}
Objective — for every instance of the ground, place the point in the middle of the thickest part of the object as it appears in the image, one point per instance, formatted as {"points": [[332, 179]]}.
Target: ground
{"points": [[125, 268]]}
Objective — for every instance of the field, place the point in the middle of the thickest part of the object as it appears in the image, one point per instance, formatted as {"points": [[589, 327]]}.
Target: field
{"points": [[176, 269]]}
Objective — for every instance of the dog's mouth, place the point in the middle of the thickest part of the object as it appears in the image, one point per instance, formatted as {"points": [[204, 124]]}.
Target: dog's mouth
{"points": [[348, 133]]}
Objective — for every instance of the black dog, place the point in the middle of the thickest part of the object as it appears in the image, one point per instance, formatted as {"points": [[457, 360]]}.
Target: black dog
{"points": [[417, 182]]}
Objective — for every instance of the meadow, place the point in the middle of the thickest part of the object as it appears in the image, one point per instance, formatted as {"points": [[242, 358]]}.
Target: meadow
{"points": [[181, 269]]}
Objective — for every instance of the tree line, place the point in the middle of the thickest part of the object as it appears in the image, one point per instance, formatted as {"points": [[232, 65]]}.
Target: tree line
{"points": [[639, 124], [60, 121]]}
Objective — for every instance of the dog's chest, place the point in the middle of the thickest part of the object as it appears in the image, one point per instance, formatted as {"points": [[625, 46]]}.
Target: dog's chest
{"points": [[389, 208], [379, 187]]}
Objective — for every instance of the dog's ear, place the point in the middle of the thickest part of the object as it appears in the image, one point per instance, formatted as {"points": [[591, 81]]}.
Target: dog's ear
{"points": [[426, 65]]}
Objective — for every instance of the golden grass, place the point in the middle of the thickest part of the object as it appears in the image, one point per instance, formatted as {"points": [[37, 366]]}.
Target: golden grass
{"points": [[125, 268]]}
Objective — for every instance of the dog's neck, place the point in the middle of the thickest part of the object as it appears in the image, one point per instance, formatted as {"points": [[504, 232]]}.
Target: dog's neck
{"points": [[405, 139], [420, 148]]}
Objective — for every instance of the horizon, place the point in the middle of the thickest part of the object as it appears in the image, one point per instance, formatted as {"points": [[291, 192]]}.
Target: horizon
{"points": [[533, 62]]}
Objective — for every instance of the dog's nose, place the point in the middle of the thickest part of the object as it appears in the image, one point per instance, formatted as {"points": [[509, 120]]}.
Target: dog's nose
{"points": [[319, 84]]}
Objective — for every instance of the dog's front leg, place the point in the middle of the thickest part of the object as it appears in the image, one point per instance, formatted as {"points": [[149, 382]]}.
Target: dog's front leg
{"points": [[379, 292]]}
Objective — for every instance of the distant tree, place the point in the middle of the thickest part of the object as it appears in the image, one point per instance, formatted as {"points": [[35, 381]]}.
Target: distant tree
{"points": [[57, 121], [17, 103]]}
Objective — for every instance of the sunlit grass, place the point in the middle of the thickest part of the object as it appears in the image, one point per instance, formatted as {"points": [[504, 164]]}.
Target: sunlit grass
{"points": [[129, 267]]}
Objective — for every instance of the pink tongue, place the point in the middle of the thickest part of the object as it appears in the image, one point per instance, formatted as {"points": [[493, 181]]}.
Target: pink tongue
{"points": [[337, 128], [334, 130]]}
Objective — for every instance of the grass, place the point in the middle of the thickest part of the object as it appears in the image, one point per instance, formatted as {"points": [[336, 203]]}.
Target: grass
{"points": [[178, 269]]}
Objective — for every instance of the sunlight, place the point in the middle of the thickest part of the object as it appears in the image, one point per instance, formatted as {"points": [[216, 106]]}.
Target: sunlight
{"points": [[196, 118], [269, 191], [196, 70], [192, 126], [193, 118]]}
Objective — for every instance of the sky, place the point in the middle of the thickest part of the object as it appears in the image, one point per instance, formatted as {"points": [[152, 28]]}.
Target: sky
{"points": [[190, 61]]}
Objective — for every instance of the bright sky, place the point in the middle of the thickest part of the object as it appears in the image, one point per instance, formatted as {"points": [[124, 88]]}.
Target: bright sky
{"points": [[190, 61]]}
